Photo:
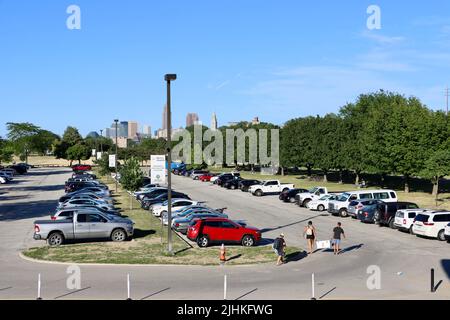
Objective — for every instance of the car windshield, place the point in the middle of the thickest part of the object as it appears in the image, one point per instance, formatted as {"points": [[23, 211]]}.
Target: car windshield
{"points": [[313, 190], [325, 197], [343, 197]]}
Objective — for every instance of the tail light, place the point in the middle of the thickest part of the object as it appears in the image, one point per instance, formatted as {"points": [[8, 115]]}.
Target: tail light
{"points": [[53, 218], [36, 228], [359, 206], [404, 221], [177, 224], [366, 214], [428, 224]]}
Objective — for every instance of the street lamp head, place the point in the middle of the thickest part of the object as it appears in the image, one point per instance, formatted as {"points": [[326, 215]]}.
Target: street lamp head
{"points": [[116, 120], [170, 77]]}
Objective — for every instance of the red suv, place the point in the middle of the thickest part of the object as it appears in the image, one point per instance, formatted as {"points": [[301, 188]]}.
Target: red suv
{"points": [[221, 230], [81, 167]]}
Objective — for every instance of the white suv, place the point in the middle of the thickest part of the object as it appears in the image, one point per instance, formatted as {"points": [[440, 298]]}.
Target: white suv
{"points": [[404, 219], [447, 232], [431, 224]]}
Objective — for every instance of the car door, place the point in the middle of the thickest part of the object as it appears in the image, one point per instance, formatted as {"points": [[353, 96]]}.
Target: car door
{"points": [[82, 227], [98, 226], [230, 232]]}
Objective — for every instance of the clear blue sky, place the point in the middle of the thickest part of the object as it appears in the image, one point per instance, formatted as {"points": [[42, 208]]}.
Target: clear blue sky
{"points": [[273, 59]]}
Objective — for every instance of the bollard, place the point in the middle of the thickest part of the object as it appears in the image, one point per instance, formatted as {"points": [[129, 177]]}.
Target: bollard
{"points": [[225, 287], [39, 288], [128, 287], [223, 253], [312, 287], [432, 281]]}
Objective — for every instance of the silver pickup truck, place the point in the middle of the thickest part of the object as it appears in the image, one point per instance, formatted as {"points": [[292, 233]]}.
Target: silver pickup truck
{"points": [[83, 225]]}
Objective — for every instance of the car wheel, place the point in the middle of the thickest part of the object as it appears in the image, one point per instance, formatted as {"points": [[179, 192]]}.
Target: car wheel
{"points": [[248, 241], [163, 213], [233, 187], [411, 231], [118, 235], [292, 200], [55, 239], [203, 241], [258, 193], [441, 235], [285, 190], [305, 203], [391, 224], [343, 213], [321, 207]]}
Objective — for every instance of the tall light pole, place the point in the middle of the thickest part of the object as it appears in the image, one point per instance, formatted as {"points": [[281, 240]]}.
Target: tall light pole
{"points": [[115, 164], [168, 78], [101, 142]]}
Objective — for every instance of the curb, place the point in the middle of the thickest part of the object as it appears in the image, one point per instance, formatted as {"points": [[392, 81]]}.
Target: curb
{"points": [[22, 256]]}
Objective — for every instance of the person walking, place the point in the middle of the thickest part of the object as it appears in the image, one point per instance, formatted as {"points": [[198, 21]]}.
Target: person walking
{"points": [[310, 233], [338, 232], [279, 246]]}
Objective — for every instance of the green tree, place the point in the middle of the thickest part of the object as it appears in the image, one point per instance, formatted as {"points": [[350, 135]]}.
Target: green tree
{"points": [[43, 141], [78, 152], [70, 138], [131, 176], [21, 136], [6, 151], [437, 166], [103, 165]]}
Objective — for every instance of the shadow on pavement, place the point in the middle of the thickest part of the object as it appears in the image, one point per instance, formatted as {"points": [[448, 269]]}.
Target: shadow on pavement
{"points": [[27, 210], [296, 256], [290, 224], [445, 263], [351, 248]]}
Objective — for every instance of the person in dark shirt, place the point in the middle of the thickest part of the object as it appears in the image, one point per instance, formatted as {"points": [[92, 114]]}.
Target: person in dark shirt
{"points": [[279, 247], [338, 232]]}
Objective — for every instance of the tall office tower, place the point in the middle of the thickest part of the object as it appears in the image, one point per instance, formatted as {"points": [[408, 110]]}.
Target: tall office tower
{"points": [[147, 130], [107, 133], [191, 119], [132, 129], [123, 129], [164, 118], [214, 122]]}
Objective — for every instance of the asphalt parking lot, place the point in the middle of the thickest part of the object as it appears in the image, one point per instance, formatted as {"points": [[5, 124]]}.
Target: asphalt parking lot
{"points": [[404, 260]]}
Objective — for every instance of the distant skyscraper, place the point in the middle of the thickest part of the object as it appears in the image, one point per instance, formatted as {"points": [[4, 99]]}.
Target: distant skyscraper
{"points": [[214, 121], [132, 129], [147, 130], [191, 119], [164, 118]]}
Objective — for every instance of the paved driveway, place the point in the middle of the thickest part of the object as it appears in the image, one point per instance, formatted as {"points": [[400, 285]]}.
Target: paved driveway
{"points": [[405, 261]]}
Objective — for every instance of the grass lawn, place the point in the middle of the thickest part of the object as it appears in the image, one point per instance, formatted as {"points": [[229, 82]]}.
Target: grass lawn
{"points": [[423, 199], [149, 245]]}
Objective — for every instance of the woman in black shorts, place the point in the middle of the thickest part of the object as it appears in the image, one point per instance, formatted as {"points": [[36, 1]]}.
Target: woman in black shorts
{"points": [[310, 233]]}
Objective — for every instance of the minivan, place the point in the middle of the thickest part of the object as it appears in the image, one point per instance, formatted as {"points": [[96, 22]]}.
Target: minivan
{"points": [[431, 224]]}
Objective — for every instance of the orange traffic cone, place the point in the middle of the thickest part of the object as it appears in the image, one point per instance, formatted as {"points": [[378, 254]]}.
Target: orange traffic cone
{"points": [[223, 254]]}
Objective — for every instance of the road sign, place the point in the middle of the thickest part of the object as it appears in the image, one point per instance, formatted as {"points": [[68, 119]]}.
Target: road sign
{"points": [[158, 169], [99, 155], [112, 160]]}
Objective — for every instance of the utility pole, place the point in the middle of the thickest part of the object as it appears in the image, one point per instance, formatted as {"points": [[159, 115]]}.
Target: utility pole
{"points": [[115, 164], [168, 78], [101, 142]]}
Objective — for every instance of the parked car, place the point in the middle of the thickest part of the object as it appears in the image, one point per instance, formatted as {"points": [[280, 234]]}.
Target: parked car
{"points": [[385, 213], [6, 176], [340, 205], [196, 174], [270, 187], [303, 198], [224, 178], [232, 184], [20, 169], [432, 224], [185, 211], [404, 219], [97, 190], [289, 195], [207, 231], [91, 196], [147, 202], [206, 177], [226, 175], [182, 224], [244, 185], [177, 203], [75, 186], [81, 167], [70, 212], [359, 204], [83, 202], [83, 225], [150, 194], [447, 232], [3, 180], [321, 204]]}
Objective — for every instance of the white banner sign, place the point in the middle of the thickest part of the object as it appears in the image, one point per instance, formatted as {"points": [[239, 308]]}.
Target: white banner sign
{"points": [[94, 152], [99, 155], [112, 160], [158, 169]]}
